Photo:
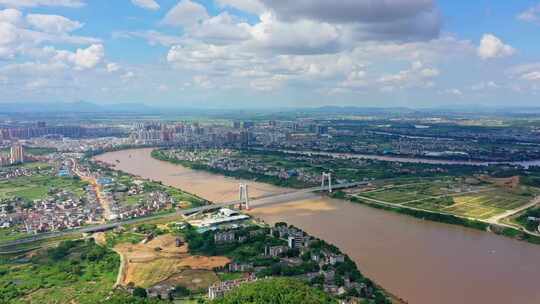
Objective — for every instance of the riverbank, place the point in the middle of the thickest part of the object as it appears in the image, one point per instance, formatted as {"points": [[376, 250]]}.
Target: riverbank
{"points": [[399, 252], [499, 229], [479, 224], [239, 174]]}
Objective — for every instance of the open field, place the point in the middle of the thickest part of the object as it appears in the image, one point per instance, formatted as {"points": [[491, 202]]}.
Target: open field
{"points": [[479, 201], [161, 261]]}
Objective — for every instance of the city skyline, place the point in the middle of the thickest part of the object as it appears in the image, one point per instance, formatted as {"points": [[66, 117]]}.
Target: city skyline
{"points": [[262, 53]]}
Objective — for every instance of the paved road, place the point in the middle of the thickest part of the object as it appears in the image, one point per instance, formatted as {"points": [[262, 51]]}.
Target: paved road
{"points": [[112, 225]]}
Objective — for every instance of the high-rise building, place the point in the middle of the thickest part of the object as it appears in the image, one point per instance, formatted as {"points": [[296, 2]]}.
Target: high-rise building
{"points": [[4, 161], [17, 153]]}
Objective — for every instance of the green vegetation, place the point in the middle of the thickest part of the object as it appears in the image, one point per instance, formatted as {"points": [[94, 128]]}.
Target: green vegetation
{"points": [[480, 201], [530, 225], [114, 238], [257, 238], [426, 215], [124, 181], [276, 291], [78, 271], [311, 167], [39, 186], [240, 174]]}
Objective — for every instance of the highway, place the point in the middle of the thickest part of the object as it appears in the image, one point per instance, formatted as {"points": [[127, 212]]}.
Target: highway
{"points": [[256, 202]]}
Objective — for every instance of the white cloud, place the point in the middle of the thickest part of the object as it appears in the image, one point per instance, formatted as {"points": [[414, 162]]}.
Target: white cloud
{"points": [[36, 3], [301, 37], [152, 37], [11, 16], [482, 86], [146, 4], [128, 76], [251, 6], [530, 15], [493, 47], [113, 67], [454, 92], [203, 81], [53, 24], [83, 58], [186, 13], [416, 76], [531, 76], [21, 35], [223, 28]]}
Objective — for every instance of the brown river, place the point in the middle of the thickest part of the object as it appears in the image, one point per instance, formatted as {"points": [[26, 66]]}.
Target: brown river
{"points": [[422, 262]]}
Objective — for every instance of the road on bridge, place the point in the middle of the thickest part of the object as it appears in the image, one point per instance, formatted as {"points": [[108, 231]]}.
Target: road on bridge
{"points": [[257, 202]]}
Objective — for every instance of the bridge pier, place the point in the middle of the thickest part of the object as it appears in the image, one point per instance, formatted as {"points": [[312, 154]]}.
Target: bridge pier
{"points": [[244, 196], [327, 177]]}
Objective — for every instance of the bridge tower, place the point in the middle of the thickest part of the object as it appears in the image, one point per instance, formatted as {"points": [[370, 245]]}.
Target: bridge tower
{"points": [[327, 177], [244, 196]]}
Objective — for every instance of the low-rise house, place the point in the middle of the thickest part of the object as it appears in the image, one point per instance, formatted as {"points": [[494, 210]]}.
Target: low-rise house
{"points": [[336, 258], [218, 290], [274, 251], [224, 237], [163, 292], [240, 267]]}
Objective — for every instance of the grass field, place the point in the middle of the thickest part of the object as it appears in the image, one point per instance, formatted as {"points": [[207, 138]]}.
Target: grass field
{"points": [[475, 201]]}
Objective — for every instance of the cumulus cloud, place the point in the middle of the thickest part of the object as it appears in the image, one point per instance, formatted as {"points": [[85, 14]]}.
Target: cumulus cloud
{"points": [[250, 6], [531, 76], [52, 23], [83, 59], [146, 4], [223, 28], [11, 16], [113, 67], [36, 3], [26, 35], [373, 19], [185, 13], [301, 37], [152, 37], [493, 47]]}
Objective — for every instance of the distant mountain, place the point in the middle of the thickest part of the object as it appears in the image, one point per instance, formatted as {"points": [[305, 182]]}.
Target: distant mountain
{"points": [[358, 110], [74, 107]]}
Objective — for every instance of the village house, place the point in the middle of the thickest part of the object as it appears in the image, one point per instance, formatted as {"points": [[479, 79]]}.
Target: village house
{"points": [[275, 251], [218, 290], [224, 237]]}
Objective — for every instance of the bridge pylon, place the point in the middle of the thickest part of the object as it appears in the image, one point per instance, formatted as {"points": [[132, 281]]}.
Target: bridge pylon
{"points": [[327, 177], [244, 196]]}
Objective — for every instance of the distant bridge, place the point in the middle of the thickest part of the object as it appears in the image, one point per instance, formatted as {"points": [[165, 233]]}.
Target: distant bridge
{"points": [[244, 202]]}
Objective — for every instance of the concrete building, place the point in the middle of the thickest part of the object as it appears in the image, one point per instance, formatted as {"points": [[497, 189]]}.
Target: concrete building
{"points": [[17, 153], [224, 237]]}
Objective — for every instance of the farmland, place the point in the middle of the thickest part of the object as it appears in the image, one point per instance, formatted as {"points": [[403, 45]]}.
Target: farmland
{"points": [[459, 196]]}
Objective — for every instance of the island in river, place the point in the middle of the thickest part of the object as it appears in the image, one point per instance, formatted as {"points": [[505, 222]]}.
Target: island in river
{"points": [[423, 262]]}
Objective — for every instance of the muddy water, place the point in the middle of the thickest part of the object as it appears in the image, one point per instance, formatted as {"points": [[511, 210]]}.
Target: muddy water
{"points": [[422, 262]]}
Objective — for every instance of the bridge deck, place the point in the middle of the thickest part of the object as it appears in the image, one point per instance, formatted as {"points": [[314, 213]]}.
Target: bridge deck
{"points": [[108, 226]]}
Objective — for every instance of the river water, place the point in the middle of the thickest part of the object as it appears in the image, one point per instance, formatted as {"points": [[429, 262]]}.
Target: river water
{"points": [[421, 261]]}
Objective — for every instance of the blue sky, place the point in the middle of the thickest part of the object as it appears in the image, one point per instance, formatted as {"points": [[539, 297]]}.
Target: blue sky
{"points": [[268, 53]]}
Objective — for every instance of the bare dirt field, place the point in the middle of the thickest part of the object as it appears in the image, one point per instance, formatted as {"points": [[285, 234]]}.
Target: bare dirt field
{"points": [[159, 260]]}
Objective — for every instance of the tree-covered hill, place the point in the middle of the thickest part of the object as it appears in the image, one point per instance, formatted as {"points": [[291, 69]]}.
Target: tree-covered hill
{"points": [[276, 291]]}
